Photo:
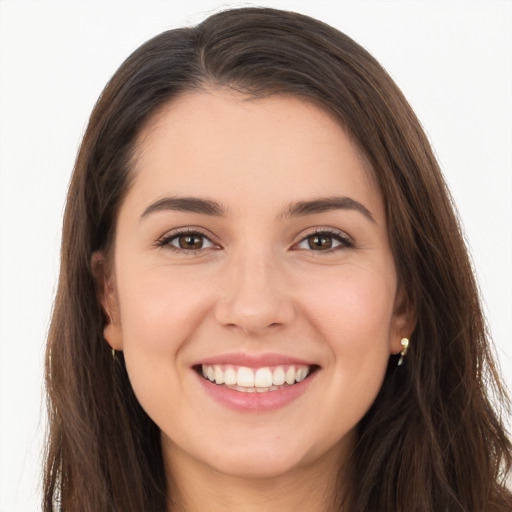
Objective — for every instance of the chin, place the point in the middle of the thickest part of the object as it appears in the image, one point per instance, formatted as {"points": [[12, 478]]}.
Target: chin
{"points": [[261, 456], [255, 466]]}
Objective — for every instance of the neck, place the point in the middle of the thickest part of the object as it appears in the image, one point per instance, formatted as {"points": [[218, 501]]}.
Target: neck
{"points": [[195, 487]]}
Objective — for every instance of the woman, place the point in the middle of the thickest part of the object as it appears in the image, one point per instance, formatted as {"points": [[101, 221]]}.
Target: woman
{"points": [[265, 300]]}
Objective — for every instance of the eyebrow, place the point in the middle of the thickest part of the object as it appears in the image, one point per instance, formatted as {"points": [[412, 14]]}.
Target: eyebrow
{"points": [[298, 209], [326, 204], [186, 204]]}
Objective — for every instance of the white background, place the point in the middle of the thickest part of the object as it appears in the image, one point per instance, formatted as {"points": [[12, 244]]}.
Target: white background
{"points": [[452, 59]]}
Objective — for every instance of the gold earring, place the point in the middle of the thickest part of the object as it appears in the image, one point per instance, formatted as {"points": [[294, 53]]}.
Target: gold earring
{"points": [[114, 354], [405, 343]]}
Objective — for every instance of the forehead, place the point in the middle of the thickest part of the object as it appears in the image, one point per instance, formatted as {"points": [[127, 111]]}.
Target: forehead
{"points": [[237, 148]]}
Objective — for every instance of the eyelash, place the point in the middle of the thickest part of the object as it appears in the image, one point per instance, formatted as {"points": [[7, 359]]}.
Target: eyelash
{"points": [[166, 240], [344, 241]]}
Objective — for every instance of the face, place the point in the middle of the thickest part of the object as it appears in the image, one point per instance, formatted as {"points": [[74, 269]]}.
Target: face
{"points": [[251, 285]]}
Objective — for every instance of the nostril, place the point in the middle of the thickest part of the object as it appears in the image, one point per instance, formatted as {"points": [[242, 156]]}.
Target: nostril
{"points": [[254, 309]]}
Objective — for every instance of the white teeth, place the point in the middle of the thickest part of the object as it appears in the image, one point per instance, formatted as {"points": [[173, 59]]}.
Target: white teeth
{"points": [[219, 375], [278, 377], [263, 378], [245, 377], [250, 380], [229, 376], [244, 390], [290, 375], [300, 375]]}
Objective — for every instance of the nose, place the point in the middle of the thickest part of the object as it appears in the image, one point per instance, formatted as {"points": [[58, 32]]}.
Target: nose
{"points": [[255, 298]]}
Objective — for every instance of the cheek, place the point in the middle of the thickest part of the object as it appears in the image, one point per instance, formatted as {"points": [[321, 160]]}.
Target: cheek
{"points": [[354, 319], [158, 311], [354, 309], [158, 316]]}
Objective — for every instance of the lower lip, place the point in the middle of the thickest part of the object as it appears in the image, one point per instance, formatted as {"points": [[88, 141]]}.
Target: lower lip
{"points": [[255, 402]]}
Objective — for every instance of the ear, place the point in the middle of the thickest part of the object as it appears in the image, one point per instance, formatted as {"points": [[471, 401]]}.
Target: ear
{"points": [[403, 323], [107, 296]]}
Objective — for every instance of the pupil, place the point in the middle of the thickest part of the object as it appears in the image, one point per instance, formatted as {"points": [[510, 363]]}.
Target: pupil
{"points": [[320, 242], [191, 242]]}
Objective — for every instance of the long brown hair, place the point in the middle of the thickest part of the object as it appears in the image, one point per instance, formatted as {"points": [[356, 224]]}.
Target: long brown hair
{"points": [[433, 440]]}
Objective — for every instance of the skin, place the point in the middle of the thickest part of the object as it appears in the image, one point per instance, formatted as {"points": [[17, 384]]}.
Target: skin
{"points": [[255, 286]]}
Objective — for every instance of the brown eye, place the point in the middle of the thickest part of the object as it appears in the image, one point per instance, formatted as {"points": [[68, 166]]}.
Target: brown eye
{"points": [[325, 241], [187, 241], [320, 242], [190, 241]]}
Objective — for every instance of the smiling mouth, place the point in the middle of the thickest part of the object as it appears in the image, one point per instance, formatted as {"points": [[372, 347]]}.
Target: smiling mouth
{"points": [[255, 380]]}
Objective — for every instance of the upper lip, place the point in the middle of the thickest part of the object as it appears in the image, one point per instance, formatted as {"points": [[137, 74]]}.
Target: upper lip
{"points": [[253, 360]]}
